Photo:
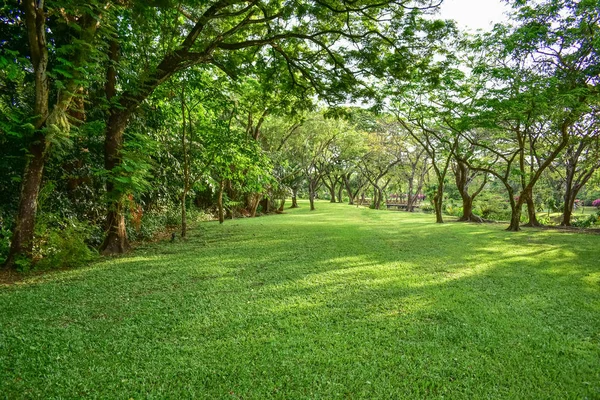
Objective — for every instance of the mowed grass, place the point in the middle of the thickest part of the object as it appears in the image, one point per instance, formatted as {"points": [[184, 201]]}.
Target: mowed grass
{"points": [[342, 302]]}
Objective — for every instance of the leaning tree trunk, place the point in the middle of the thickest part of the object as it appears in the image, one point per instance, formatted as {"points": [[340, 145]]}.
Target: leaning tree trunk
{"points": [[255, 201], [340, 193], [280, 209]]}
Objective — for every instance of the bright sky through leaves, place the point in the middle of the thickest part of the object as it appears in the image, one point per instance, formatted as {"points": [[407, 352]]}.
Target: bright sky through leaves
{"points": [[474, 14]]}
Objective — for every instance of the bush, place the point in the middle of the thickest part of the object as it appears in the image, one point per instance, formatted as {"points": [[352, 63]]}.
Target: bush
{"points": [[452, 208], [596, 203], [427, 208], [63, 246], [5, 235], [152, 222], [587, 222], [492, 206]]}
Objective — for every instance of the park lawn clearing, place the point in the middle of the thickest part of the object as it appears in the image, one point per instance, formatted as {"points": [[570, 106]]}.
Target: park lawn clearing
{"points": [[341, 302]]}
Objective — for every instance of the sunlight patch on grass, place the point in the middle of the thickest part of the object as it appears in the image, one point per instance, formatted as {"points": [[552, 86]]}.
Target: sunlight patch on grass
{"points": [[345, 302]]}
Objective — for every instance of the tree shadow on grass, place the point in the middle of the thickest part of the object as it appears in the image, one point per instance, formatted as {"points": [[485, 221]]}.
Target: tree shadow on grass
{"points": [[384, 308]]}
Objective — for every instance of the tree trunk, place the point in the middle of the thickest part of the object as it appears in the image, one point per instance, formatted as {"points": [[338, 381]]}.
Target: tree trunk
{"points": [[311, 194], [265, 206], [294, 198], [461, 174], [351, 197], [331, 189], [220, 202], [467, 205], [186, 164], [116, 241], [438, 200], [183, 214], [340, 193], [567, 211], [376, 199], [533, 222], [280, 209], [570, 196], [515, 218], [410, 197], [22, 240], [255, 202]]}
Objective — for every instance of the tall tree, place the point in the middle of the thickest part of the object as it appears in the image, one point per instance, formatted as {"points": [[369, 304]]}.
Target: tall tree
{"points": [[58, 50]]}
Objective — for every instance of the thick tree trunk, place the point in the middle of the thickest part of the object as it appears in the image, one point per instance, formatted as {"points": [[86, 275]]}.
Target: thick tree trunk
{"points": [[567, 213], [280, 209], [515, 218], [533, 221], [462, 178], [340, 193], [22, 240], [116, 241]]}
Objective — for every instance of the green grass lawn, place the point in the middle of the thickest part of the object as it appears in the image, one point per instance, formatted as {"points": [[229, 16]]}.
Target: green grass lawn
{"points": [[341, 302]]}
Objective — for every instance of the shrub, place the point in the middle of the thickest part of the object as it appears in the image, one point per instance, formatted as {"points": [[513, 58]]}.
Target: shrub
{"points": [[426, 208], [544, 220], [596, 203], [588, 221], [63, 246], [492, 206], [5, 235]]}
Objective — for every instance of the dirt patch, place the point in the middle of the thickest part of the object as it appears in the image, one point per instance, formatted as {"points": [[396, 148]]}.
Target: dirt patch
{"points": [[10, 277]]}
